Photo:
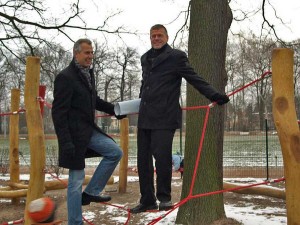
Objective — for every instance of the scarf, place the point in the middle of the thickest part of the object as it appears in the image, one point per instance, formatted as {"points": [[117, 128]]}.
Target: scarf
{"points": [[154, 53], [85, 72]]}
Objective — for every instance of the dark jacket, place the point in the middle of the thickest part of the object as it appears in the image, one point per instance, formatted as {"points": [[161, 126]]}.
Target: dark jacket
{"points": [[160, 90], [73, 114]]}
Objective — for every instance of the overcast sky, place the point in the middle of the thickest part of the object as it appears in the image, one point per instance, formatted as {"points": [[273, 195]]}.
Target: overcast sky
{"points": [[140, 15]]}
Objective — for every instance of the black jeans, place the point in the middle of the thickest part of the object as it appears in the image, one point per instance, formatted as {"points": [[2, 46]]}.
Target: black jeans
{"points": [[156, 143]]}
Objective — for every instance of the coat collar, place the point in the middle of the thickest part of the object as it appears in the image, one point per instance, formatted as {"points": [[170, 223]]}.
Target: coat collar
{"points": [[160, 58]]}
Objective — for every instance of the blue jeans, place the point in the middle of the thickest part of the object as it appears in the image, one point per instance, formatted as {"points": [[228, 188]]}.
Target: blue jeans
{"points": [[111, 154]]}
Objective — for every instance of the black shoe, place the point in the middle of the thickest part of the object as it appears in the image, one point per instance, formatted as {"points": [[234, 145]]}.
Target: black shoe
{"points": [[87, 199], [165, 205], [143, 208]]}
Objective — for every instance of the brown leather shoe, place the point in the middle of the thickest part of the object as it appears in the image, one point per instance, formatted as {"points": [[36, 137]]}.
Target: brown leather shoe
{"points": [[87, 199]]}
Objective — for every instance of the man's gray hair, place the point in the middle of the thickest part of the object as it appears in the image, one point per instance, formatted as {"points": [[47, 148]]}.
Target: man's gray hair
{"points": [[159, 26], [77, 47]]}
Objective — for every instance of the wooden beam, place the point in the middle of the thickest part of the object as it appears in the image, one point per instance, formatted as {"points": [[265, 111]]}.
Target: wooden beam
{"points": [[13, 193], [14, 162], [35, 132], [124, 161], [15, 190], [259, 190], [285, 119]]}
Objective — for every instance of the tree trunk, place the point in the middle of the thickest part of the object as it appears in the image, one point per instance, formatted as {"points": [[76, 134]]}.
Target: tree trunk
{"points": [[209, 24]]}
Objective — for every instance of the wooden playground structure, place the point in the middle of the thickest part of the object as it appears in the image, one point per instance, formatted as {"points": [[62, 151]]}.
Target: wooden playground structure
{"points": [[284, 114], [37, 184]]}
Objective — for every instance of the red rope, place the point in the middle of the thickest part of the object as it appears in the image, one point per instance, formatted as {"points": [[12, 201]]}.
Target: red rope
{"points": [[189, 197], [249, 84], [49, 105], [13, 113], [199, 149], [57, 178], [120, 207], [13, 222], [194, 107], [236, 188]]}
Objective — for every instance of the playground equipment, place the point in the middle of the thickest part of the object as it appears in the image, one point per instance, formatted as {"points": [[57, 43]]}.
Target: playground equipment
{"points": [[285, 119], [37, 185], [286, 124]]}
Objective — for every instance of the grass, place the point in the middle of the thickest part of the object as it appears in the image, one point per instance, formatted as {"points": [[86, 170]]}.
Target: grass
{"points": [[235, 147]]}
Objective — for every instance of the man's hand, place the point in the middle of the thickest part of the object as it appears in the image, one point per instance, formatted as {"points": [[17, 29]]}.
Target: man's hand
{"points": [[220, 99]]}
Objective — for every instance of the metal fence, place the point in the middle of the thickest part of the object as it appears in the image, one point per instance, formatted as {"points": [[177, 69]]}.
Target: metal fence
{"points": [[256, 154], [246, 154]]}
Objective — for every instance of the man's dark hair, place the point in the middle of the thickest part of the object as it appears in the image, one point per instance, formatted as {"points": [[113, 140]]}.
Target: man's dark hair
{"points": [[159, 26], [77, 48]]}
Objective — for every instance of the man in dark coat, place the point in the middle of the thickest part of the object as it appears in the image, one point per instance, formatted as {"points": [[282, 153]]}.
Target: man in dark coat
{"points": [[160, 115], [73, 113]]}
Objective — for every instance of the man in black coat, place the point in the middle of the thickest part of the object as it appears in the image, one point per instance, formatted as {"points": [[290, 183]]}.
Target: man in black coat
{"points": [[160, 115], [73, 113]]}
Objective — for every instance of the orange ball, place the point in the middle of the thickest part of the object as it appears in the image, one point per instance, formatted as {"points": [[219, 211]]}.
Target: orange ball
{"points": [[42, 210]]}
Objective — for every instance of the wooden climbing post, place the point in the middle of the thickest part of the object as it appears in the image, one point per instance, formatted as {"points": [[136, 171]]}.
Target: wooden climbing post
{"points": [[14, 162], [124, 161], [285, 119], [35, 132]]}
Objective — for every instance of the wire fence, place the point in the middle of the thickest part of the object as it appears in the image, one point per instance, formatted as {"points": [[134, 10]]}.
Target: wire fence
{"points": [[246, 154]]}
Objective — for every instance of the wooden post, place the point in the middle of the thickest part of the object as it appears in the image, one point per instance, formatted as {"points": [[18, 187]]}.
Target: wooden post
{"points": [[124, 161], [14, 163], [35, 132], [285, 119]]}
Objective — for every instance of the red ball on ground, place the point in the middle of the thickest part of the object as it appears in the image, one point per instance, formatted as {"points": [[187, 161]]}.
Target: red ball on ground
{"points": [[41, 210]]}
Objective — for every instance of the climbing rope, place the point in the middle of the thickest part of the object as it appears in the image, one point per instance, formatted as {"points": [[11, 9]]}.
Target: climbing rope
{"points": [[190, 196]]}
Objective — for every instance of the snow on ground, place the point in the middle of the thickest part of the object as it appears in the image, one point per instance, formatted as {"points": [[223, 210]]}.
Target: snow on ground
{"points": [[247, 215]]}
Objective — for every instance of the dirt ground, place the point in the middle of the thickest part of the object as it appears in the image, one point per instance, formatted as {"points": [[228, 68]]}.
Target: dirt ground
{"points": [[102, 214]]}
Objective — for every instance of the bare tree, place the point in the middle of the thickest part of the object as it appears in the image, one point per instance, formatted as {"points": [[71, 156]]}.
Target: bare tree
{"points": [[15, 71], [103, 66], [127, 60], [3, 76], [53, 59], [267, 26], [30, 23], [257, 54], [233, 65]]}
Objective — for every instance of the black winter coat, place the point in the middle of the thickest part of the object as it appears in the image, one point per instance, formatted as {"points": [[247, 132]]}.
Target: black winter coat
{"points": [[73, 115], [160, 90]]}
